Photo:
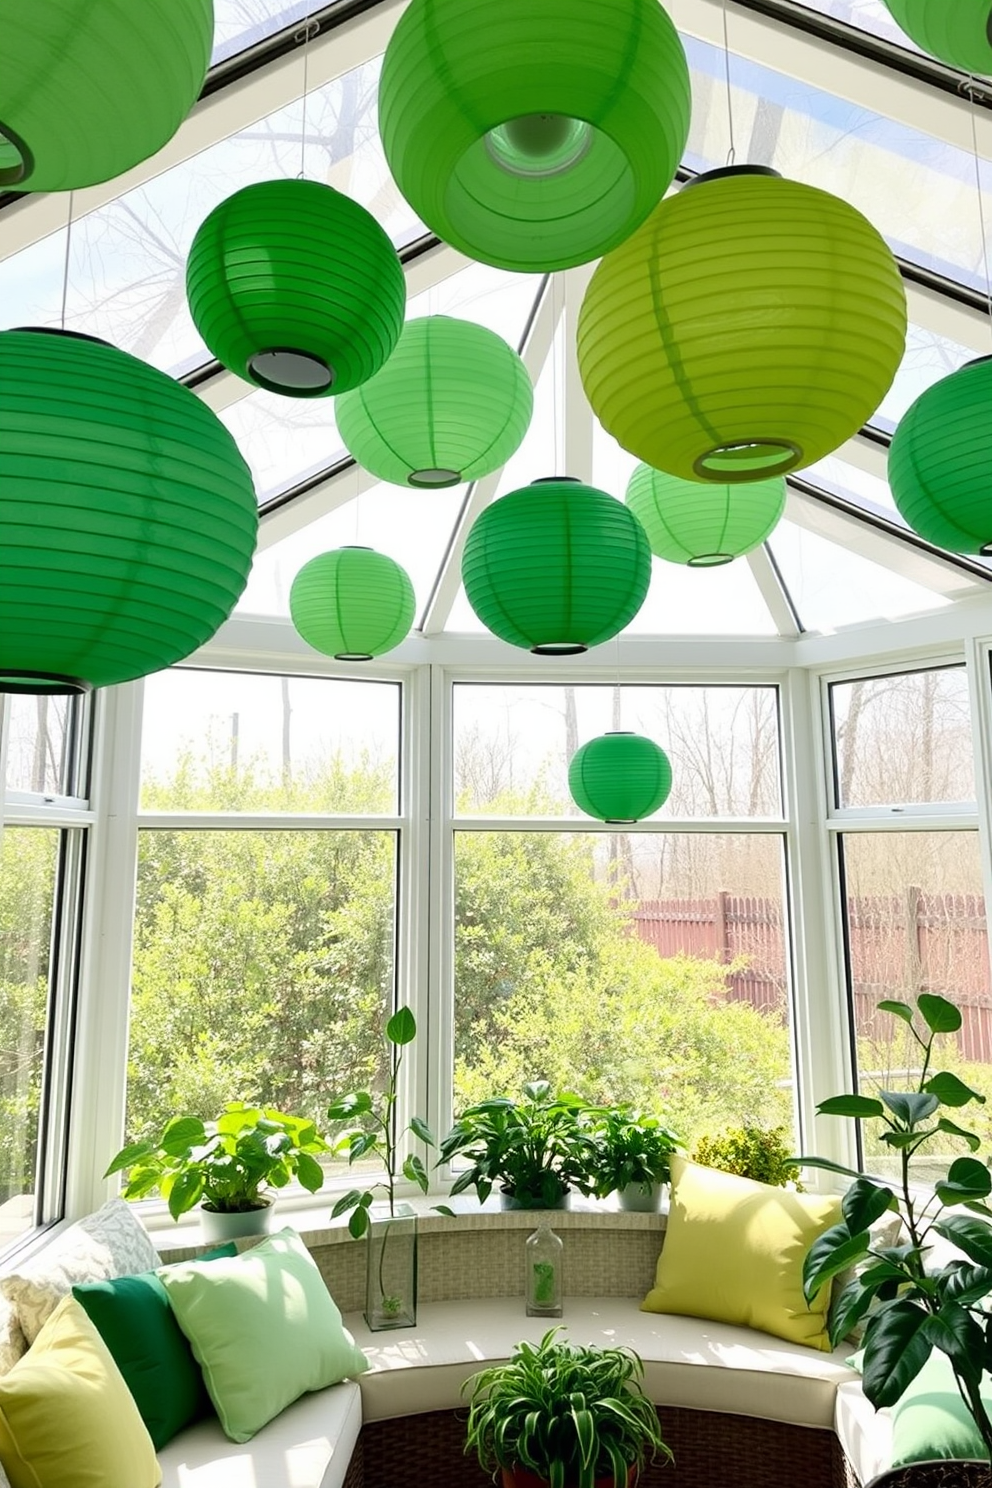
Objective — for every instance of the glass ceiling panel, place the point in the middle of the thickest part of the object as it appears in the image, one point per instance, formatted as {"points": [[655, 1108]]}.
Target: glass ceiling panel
{"points": [[864, 15], [928, 358], [833, 587], [239, 24]]}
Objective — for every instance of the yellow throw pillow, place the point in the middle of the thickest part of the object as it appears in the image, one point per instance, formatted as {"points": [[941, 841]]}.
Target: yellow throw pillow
{"points": [[67, 1419], [734, 1252]]}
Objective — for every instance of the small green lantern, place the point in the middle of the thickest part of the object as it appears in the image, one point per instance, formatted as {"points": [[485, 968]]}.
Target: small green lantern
{"points": [[958, 32], [556, 567], [352, 603], [296, 288], [701, 525], [940, 461], [452, 403], [620, 777], [534, 134]]}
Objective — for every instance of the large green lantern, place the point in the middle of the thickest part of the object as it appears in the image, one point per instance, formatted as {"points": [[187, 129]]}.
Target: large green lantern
{"points": [[556, 567], [959, 32], [352, 604], [88, 88], [452, 403], [747, 329], [296, 288], [940, 461], [703, 525], [619, 777], [127, 516], [534, 134]]}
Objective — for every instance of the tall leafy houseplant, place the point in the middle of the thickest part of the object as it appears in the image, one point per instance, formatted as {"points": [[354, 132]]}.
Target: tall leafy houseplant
{"points": [[535, 1149], [630, 1151], [913, 1310]]}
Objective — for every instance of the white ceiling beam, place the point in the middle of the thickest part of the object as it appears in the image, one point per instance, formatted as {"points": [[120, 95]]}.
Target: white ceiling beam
{"points": [[767, 579]]}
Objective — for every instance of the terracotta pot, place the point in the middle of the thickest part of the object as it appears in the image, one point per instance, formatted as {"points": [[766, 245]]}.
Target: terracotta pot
{"points": [[519, 1477]]}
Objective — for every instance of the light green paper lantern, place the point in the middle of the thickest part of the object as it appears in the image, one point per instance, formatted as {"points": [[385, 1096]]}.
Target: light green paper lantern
{"points": [[89, 88], [352, 603], [556, 567], [940, 461], [619, 777], [534, 134], [702, 525], [296, 288], [958, 32], [747, 329], [452, 403]]}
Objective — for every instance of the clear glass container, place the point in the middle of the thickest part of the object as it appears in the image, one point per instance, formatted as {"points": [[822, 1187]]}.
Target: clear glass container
{"points": [[543, 1262]]}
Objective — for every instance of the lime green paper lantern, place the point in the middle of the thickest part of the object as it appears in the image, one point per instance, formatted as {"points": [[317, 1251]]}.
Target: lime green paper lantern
{"points": [[296, 288], [747, 329], [534, 134], [127, 516], [619, 777], [452, 403], [703, 525], [89, 88], [352, 604], [958, 32], [940, 461], [556, 567]]}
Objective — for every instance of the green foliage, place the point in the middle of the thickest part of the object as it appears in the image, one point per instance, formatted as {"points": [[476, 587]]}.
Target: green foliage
{"points": [[534, 1148], [568, 1413], [908, 1309], [629, 1147], [225, 1164], [753, 1152]]}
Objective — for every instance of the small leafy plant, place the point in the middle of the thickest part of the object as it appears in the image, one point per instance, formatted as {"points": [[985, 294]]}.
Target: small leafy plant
{"points": [[756, 1152], [534, 1148], [908, 1310], [225, 1164], [629, 1148]]}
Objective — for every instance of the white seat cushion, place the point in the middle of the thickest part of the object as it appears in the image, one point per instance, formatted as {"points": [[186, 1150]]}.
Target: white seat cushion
{"points": [[308, 1446], [687, 1362], [864, 1433]]}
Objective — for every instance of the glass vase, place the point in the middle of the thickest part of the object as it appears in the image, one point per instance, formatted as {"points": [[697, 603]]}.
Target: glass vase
{"points": [[391, 1268], [543, 1261]]}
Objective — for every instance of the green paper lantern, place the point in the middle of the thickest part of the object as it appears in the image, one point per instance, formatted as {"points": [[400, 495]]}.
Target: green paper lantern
{"points": [[940, 461], [703, 525], [296, 288], [619, 777], [750, 327], [127, 516], [958, 32], [352, 604], [452, 403], [556, 567], [534, 134], [89, 88]]}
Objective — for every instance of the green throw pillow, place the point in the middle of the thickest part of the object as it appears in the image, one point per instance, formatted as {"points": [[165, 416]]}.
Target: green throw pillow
{"points": [[133, 1317], [264, 1330], [931, 1420]]}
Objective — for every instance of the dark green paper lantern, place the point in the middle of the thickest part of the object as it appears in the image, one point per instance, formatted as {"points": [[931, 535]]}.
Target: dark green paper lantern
{"points": [[940, 461], [452, 403], [556, 567], [534, 134], [296, 288], [958, 32], [619, 777], [701, 525], [128, 519], [89, 88], [352, 603]]}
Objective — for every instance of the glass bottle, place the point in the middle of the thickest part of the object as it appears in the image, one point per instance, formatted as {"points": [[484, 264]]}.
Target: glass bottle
{"points": [[543, 1260]]}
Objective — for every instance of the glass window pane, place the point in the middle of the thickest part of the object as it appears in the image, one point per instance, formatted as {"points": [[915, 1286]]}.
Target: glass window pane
{"points": [[239, 24], [866, 15], [832, 586], [39, 742], [648, 968], [240, 741], [903, 739]]}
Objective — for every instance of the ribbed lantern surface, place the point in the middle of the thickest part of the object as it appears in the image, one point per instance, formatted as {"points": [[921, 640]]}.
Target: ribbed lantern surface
{"points": [[88, 88], [352, 603], [703, 525], [747, 329], [619, 777], [534, 134], [958, 32], [296, 288], [452, 403], [127, 516], [940, 461], [556, 567]]}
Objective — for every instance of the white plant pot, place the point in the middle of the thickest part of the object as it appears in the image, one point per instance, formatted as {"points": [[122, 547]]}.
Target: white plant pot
{"points": [[218, 1228], [637, 1199]]}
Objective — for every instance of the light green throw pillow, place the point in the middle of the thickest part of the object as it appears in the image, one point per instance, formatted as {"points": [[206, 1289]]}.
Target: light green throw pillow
{"points": [[930, 1421], [264, 1329]]}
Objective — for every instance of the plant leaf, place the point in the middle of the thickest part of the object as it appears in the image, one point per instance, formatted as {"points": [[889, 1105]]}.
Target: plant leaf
{"points": [[129, 1156], [309, 1172], [951, 1091], [345, 1202], [864, 1202], [954, 1130], [414, 1169], [182, 1134], [355, 1103], [422, 1130], [833, 1251], [910, 1106], [940, 1015], [967, 1178], [896, 1349], [973, 1236], [185, 1191], [444, 1209], [402, 1027], [826, 1165], [898, 1009], [858, 1106], [359, 1221]]}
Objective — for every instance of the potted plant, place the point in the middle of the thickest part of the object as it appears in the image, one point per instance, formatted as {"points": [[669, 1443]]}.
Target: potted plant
{"points": [[535, 1149], [564, 1415], [630, 1158], [225, 1166], [757, 1152]]}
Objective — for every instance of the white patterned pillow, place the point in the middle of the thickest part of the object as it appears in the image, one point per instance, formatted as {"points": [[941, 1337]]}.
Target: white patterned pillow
{"points": [[12, 1342], [4, 1480], [110, 1243]]}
